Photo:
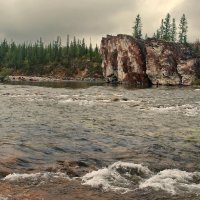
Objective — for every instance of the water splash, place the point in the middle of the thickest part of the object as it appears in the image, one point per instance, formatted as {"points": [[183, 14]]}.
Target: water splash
{"points": [[187, 109], [39, 177], [174, 181], [125, 177], [117, 177]]}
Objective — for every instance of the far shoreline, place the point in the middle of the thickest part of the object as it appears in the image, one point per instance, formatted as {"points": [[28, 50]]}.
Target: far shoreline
{"points": [[12, 79], [51, 79]]}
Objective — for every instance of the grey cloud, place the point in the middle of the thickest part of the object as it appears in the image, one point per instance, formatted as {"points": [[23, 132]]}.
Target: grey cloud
{"points": [[27, 20], [30, 19]]}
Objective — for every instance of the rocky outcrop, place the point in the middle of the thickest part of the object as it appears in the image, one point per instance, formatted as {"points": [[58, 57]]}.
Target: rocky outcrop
{"points": [[169, 63], [124, 58], [141, 62]]}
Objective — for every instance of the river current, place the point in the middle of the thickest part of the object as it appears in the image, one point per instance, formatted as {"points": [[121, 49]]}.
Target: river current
{"points": [[136, 139]]}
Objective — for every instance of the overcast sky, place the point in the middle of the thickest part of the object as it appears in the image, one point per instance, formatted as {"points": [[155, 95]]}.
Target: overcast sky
{"points": [[28, 20]]}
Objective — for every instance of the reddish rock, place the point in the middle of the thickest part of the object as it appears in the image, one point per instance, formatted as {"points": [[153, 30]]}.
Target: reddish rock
{"points": [[169, 63], [151, 61], [124, 58]]}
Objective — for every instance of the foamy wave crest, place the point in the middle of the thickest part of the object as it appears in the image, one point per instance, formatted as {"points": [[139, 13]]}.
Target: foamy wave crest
{"points": [[125, 177], [191, 111], [81, 102], [120, 176], [163, 109], [35, 177], [186, 109], [174, 181]]}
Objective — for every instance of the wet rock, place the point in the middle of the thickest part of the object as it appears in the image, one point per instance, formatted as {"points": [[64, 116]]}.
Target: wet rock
{"points": [[4, 172], [115, 99], [124, 99], [72, 168], [147, 62], [72, 190], [112, 79], [6, 94]]}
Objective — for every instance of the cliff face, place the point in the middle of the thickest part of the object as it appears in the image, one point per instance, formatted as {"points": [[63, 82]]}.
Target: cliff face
{"points": [[124, 58], [133, 61], [169, 63]]}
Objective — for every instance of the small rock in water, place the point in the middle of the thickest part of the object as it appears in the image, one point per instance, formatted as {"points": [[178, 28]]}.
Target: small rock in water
{"points": [[125, 99], [115, 99], [6, 94], [4, 172]]}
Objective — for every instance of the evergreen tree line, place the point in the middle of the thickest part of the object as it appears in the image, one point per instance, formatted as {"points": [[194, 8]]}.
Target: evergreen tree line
{"points": [[25, 56], [167, 30]]}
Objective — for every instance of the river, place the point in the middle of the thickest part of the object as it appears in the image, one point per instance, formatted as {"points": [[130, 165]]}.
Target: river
{"points": [[117, 141]]}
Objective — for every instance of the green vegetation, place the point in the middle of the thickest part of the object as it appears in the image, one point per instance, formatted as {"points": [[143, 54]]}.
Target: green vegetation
{"points": [[196, 50], [40, 59], [5, 72], [137, 29], [183, 27], [197, 72], [168, 30], [173, 31]]}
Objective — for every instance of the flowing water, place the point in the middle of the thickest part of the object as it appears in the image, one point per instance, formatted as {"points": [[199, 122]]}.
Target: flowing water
{"points": [[134, 140]]}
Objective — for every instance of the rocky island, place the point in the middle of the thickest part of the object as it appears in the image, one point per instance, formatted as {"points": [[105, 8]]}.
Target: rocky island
{"points": [[146, 62]]}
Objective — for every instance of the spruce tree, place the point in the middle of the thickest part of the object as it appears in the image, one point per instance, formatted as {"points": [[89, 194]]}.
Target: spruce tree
{"points": [[90, 50], [33, 58], [173, 30], [137, 29], [167, 28], [161, 29], [158, 35], [183, 29]]}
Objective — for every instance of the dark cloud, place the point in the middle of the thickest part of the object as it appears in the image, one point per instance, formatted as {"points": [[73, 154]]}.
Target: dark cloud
{"points": [[30, 19], [27, 20]]}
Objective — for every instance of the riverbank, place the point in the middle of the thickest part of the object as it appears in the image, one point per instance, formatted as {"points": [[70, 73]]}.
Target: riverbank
{"points": [[35, 80], [49, 79]]}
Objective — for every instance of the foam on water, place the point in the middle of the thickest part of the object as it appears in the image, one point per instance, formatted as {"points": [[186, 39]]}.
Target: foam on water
{"points": [[125, 177], [70, 100], [186, 109], [174, 181], [35, 176], [87, 100], [116, 177], [164, 109]]}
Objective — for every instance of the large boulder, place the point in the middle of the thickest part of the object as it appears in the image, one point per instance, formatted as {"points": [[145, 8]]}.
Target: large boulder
{"points": [[143, 62], [169, 63], [124, 58]]}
